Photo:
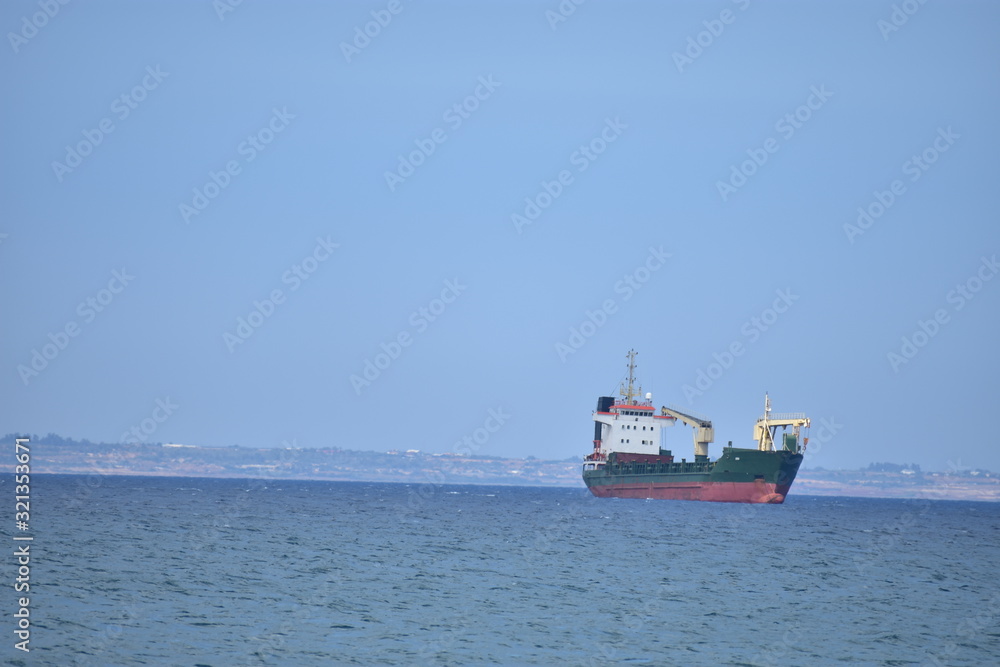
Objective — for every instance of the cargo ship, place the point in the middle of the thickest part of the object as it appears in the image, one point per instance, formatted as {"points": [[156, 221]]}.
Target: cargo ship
{"points": [[628, 460]]}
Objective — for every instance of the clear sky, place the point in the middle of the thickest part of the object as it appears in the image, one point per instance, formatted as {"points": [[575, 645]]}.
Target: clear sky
{"points": [[470, 183]]}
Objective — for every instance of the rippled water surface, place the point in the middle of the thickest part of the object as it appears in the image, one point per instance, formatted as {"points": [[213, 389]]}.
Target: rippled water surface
{"points": [[133, 571]]}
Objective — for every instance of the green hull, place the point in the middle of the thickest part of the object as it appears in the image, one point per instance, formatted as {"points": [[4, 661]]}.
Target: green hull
{"points": [[739, 475]]}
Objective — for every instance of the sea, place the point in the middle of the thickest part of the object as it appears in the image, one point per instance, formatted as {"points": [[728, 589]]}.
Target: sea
{"points": [[196, 571]]}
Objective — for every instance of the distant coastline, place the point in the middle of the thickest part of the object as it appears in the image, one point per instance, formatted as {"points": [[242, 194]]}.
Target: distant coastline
{"points": [[53, 454]]}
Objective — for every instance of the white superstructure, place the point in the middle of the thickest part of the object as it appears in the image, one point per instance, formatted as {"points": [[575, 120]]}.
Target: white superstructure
{"points": [[631, 426], [628, 424]]}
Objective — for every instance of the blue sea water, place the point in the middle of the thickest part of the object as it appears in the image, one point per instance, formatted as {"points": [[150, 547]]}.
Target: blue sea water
{"points": [[168, 571]]}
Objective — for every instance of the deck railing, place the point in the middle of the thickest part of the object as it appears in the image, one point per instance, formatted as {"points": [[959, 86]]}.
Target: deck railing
{"points": [[775, 416]]}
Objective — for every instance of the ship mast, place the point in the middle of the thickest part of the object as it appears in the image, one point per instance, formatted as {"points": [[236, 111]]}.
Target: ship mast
{"points": [[767, 443], [629, 392]]}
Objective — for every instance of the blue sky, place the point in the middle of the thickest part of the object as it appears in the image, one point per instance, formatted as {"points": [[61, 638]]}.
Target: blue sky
{"points": [[697, 168]]}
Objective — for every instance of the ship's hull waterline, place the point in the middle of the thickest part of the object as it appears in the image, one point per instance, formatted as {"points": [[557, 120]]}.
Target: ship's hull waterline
{"points": [[722, 492], [739, 476]]}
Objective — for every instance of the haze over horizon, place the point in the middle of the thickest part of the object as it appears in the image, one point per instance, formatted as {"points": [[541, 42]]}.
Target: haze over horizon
{"points": [[260, 225]]}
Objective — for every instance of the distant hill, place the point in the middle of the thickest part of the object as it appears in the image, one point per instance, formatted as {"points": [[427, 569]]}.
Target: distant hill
{"points": [[55, 454]]}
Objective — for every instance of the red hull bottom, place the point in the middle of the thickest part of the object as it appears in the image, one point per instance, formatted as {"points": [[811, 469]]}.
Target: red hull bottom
{"points": [[721, 492]]}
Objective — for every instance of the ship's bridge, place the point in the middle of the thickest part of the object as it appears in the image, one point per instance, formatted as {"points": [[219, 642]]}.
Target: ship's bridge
{"points": [[628, 426]]}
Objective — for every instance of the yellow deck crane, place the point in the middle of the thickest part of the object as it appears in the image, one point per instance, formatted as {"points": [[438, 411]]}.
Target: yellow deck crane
{"points": [[765, 430], [703, 431]]}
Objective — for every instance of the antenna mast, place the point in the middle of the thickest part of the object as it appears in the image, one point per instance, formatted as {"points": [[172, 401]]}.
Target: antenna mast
{"points": [[767, 443], [629, 392]]}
